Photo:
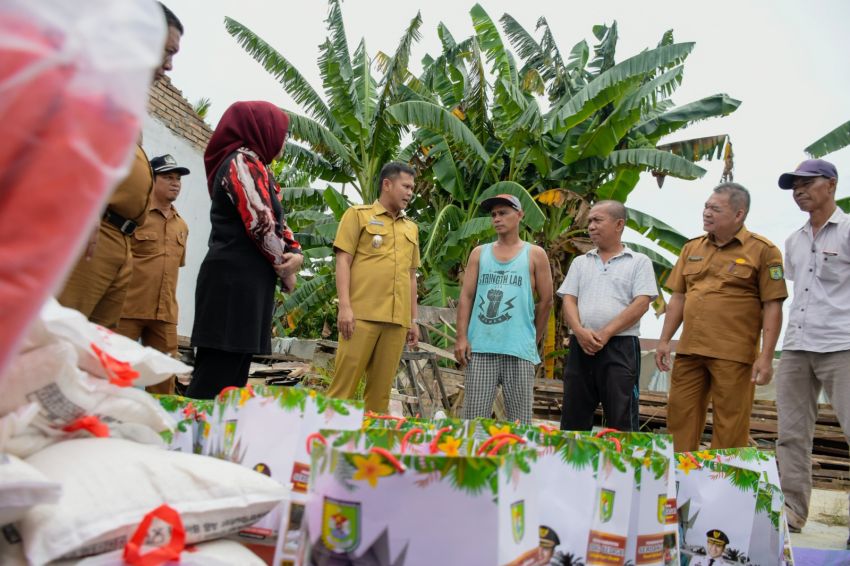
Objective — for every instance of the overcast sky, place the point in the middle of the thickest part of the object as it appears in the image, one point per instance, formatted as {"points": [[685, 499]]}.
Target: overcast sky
{"points": [[787, 61]]}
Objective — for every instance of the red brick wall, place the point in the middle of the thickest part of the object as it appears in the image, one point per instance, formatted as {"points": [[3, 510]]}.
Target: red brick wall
{"points": [[167, 105]]}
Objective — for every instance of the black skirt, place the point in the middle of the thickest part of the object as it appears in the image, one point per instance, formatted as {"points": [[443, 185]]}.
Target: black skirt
{"points": [[234, 303]]}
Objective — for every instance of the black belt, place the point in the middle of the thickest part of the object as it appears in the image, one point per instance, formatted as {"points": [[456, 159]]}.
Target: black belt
{"points": [[124, 225]]}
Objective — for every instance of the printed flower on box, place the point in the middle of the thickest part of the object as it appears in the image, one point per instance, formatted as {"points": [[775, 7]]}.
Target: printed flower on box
{"points": [[494, 430], [370, 468], [450, 445], [686, 464]]}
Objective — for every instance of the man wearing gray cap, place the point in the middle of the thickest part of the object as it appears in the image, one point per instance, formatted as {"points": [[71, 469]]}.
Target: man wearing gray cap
{"points": [[159, 251], [816, 351], [500, 323]]}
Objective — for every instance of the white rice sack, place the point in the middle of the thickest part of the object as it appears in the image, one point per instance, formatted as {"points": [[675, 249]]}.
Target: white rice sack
{"points": [[16, 422], [37, 336], [220, 552], [21, 487], [109, 485], [88, 338], [48, 378]]}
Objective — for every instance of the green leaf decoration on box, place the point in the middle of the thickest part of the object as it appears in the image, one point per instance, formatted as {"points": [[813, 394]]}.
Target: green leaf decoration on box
{"points": [[745, 480]]}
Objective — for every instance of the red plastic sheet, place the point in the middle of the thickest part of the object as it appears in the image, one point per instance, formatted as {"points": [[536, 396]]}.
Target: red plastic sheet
{"points": [[73, 82]]}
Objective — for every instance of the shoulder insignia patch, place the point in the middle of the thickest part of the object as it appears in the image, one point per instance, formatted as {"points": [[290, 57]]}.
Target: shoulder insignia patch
{"points": [[762, 239], [775, 272]]}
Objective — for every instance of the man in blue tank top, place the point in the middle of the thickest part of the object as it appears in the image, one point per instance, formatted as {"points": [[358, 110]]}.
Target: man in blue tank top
{"points": [[499, 322]]}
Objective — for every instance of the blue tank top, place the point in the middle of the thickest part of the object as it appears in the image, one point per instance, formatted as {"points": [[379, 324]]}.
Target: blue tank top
{"points": [[502, 320]]}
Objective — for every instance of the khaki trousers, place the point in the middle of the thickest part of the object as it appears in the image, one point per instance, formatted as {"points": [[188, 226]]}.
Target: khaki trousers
{"points": [[157, 334], [695, 381], [375, 348], [97, 287], [799, 380]]}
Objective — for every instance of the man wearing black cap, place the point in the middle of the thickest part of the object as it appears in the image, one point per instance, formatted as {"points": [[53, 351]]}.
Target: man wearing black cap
{"points": [[499, 323], [159, 251], [716, 541], [549, 541], [816, 351]]}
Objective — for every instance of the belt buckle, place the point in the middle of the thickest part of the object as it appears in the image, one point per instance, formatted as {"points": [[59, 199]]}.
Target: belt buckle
{"points": [[128, 227]]}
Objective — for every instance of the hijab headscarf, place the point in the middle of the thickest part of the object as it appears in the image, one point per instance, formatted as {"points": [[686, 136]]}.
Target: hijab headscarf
{"points": [[260, 126]]}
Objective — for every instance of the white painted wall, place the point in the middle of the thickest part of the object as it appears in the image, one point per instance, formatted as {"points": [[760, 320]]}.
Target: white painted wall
{"points": [[193, 204]]}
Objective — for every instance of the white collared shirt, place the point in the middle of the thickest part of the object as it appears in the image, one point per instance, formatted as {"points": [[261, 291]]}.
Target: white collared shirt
{"points": [[820, 269], [605, 289]]}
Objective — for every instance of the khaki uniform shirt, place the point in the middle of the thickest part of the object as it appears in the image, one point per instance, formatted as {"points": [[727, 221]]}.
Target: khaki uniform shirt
{"points": [[131, 197], [159, 251], [724, 289], [384, 250]]}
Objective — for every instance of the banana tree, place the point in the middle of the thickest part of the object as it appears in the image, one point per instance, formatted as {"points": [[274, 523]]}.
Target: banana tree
{"points": [[484, 129], [340, 136], [833, 141], [344, 136], [602, 128]]}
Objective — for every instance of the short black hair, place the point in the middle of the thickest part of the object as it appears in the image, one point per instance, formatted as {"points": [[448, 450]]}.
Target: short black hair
{"points": [[614, 208], [392, 170], [171, 19]]}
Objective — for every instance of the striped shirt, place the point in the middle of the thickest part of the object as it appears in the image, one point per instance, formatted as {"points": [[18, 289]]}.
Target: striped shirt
{"points": [[605, 289]]}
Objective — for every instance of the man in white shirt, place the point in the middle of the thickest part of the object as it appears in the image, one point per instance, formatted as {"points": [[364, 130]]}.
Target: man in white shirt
{"points": [[816, 351], [606, 292]]}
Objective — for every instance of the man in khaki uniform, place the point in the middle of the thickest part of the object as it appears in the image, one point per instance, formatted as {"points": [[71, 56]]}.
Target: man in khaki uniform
{"points": [[98, 283], [159, 251], [97, 286], [377, 253], [728, 287]]}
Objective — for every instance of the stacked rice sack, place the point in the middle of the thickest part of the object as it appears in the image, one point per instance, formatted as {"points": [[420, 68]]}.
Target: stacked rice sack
{"points": [[83, 461]]}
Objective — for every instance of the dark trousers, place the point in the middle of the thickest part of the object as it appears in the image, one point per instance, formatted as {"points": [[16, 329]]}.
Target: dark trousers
{"points": [[217, 369], [610, 376]]}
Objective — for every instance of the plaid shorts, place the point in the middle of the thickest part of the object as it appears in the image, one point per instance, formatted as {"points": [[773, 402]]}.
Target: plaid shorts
{"points": [[487, 371]]}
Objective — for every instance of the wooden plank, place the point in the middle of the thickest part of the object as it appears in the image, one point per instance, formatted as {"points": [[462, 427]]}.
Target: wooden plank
{"points": [[437, 350], [437, 331], [432, 315]]}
